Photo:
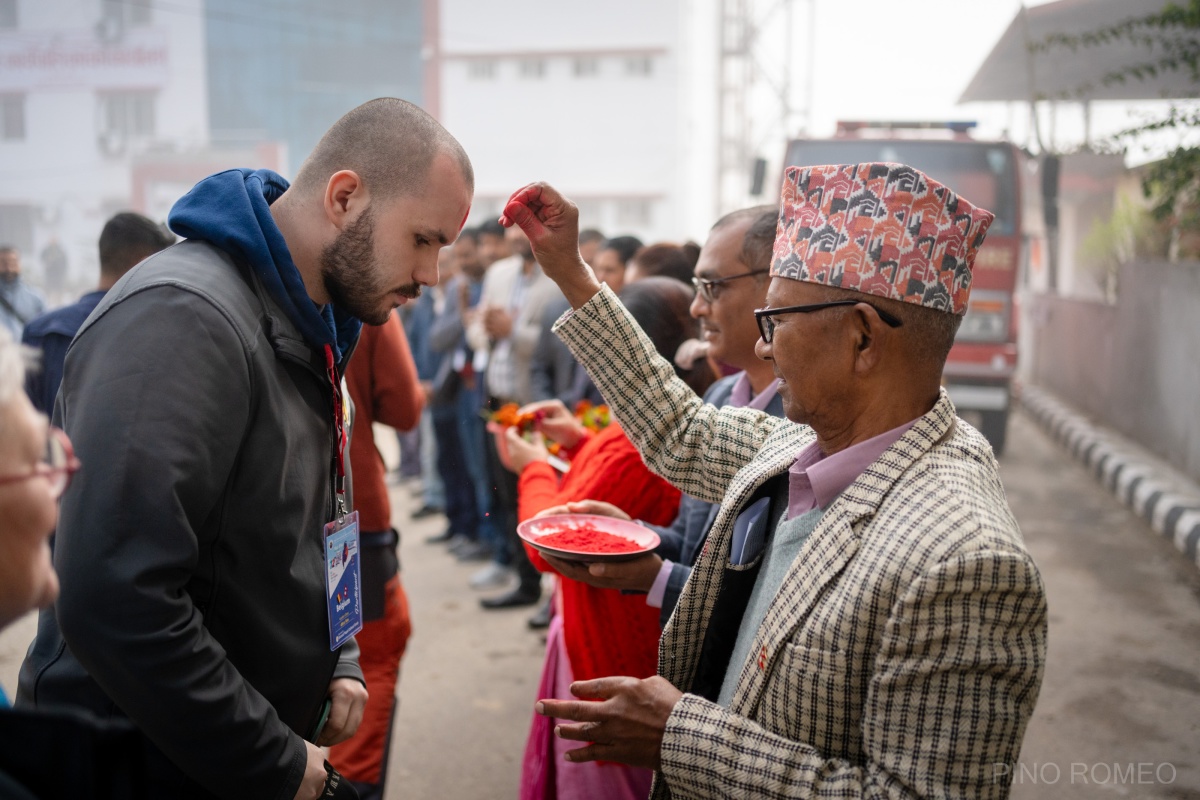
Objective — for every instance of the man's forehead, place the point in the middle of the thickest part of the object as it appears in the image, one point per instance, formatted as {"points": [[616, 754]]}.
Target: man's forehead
{"points": [[722, 251]]}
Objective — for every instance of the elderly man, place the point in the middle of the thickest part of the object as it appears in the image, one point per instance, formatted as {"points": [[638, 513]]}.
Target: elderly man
{"points": [[201, 563], [864, 619]]}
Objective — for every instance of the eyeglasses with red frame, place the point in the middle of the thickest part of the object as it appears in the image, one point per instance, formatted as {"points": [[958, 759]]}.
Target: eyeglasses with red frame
{"points": [[57, 465]]}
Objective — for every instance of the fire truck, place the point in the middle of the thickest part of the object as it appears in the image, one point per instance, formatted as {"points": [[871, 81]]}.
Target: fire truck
{"points": [[995, 175]]}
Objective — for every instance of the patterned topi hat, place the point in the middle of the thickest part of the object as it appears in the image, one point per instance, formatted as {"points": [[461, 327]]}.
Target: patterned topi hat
{"points": [[882, 229]]}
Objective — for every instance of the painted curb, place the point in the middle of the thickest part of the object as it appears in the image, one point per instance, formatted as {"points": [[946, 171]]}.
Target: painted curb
{"points": [[1172, 513]]}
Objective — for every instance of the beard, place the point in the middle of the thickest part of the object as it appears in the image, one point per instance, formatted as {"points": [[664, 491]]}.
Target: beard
{"points": [[352, 276]]}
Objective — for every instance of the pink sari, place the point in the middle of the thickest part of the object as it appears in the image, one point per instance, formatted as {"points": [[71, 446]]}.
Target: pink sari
{"points": [[544, 773]]}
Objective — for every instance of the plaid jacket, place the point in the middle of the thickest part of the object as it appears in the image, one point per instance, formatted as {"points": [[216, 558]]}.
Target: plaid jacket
{"points": [[903, 654]]}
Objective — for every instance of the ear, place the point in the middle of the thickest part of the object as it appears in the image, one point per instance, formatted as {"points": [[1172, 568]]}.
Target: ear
{"points": [[345, 197], [871, 337]]}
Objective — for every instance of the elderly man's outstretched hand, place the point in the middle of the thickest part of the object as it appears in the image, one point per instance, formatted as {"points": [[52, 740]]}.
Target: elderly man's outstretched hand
{"points": [[626, 726], [551, 222]]}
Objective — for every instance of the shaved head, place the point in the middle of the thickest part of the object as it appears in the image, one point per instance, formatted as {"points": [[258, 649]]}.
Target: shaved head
{"points": [[389, 143]]}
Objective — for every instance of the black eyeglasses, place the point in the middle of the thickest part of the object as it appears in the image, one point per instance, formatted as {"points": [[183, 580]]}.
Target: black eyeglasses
{"points": [[766, 323], [707, 288]]}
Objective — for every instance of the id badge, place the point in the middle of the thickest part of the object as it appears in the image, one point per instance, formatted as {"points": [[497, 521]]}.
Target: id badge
{"points": [[343, 579]]}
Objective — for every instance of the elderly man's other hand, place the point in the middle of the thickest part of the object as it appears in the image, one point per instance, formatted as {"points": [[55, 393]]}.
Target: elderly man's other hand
{"points": [[346, 711], [556, 422], [522, 453], [551, 222], [636, 575], [626, 726]]}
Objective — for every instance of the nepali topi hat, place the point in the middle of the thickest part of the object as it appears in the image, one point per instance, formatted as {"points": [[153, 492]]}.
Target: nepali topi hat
{"points": [[881, 229]]}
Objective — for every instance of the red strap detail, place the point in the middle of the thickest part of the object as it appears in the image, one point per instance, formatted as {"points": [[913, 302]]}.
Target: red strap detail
{"points": [[339, 417]]}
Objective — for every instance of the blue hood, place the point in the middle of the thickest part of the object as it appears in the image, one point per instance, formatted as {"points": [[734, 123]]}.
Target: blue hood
{"points": [[231, 210]]}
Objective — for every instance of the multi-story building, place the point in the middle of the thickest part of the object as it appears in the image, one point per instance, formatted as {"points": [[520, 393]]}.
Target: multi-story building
{"points": [[584, 95], [286, 71], [87, 87]]}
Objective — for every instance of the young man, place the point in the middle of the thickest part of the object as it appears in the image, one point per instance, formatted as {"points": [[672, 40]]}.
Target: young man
{"points": [[209, 386]]}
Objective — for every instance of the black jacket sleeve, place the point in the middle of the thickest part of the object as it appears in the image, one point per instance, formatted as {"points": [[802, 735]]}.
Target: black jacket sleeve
{"points": [[157, 407]]}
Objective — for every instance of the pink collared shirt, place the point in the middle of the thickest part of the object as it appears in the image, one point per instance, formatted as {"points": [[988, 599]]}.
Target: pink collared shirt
{"points": [[815, 479]]}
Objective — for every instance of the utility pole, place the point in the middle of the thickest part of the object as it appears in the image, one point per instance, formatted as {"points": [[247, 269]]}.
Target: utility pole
{"points": [[756, 107]]}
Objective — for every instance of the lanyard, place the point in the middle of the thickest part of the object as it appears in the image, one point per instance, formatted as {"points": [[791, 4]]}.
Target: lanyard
{"points": [[339, 427]]}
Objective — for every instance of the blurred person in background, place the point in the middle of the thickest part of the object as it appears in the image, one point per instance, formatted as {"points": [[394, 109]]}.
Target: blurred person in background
{"points": [[54, 268], [459, 385], [731, 281], [590, 240], [506, 326], [382, 380], [597, 632], [666, 259], [493, 243], [208, 385], [19, 302], [417, 328], [612, 258], [126, 240], [447, 340]]}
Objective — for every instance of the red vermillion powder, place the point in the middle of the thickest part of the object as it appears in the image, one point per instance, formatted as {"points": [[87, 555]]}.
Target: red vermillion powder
{"points": [[589, 539]]}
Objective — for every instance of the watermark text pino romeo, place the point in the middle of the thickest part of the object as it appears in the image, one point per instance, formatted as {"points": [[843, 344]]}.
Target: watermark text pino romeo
{"points": [[1129, 773]]}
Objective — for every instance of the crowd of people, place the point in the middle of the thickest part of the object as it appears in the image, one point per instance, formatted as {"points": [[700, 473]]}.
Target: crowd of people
{"points": [[841, 603]]}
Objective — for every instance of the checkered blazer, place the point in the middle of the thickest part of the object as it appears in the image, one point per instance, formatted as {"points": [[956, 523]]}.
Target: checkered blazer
{"points": [[903, 654]]}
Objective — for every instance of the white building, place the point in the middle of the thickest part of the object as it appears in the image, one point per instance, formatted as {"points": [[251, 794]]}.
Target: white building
{"points": [[87, 88], [587, 96]]}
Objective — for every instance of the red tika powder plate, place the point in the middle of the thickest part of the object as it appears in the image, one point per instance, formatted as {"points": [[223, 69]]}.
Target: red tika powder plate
{"points": [[588, 538]]}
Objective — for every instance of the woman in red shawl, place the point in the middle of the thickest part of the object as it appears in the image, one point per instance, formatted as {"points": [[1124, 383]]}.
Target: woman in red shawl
{"points": [[597, 632]]}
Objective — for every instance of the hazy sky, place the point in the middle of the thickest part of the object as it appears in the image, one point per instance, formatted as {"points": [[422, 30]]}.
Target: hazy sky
{"points": [[927, 52]]}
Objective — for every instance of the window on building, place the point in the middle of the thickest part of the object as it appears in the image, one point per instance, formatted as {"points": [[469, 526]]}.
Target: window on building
{"points": [[639, 66], [124, 117], [129, 13], [8, 14], [481, 69], [12, 117], [635, 212], [532, 68], [586, 67]]}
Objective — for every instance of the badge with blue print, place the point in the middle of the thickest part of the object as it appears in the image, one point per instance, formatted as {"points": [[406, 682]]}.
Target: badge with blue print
{"points": [[343, 579]]}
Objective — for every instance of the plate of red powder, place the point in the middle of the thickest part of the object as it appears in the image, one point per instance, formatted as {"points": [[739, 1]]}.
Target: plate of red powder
{"points": [[586, 537]]}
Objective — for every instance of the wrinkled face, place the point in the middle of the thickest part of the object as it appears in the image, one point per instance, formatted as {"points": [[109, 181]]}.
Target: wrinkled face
{"points": [[383, 256], [10, 264], [811, 353], [727, 322], [609, 269], [28, 513]]}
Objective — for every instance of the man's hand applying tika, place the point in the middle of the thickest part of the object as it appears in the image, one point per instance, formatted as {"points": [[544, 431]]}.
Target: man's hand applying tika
{"points": [[551, 222]]}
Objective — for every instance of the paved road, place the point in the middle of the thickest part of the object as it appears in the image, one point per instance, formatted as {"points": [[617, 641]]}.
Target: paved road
{"points": [[1119, 714]]}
